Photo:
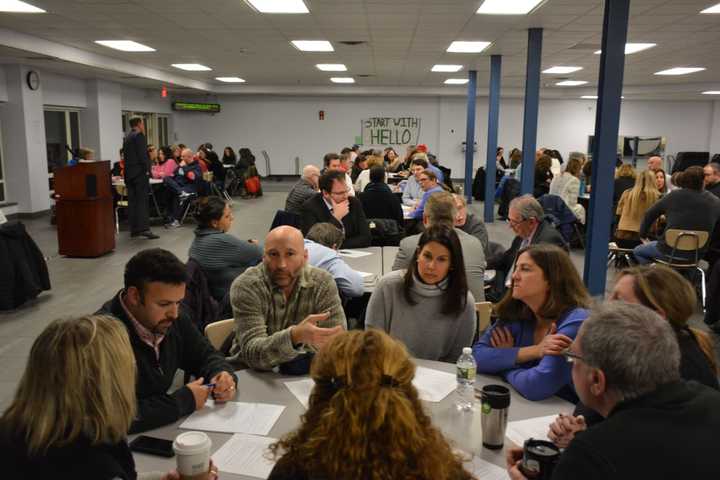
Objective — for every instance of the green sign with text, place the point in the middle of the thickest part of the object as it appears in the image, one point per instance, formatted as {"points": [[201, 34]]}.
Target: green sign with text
{"points": [[196, 107]]}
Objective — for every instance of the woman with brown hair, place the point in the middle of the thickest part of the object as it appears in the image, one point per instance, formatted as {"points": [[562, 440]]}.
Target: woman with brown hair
{"points": [[543, 176], [624, 180], [567, 187], [665, 291], [539, 317], [632, 207], [365, 420], [363, 179]]}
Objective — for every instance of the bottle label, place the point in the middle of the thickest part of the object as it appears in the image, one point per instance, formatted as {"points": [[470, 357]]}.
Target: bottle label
{"points": [[466, 373]]}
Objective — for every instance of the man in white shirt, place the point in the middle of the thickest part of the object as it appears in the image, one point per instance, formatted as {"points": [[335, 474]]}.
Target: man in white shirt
{"points": [[321, 243]]}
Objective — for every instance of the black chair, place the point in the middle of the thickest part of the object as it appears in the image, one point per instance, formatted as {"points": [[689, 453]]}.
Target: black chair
{"points": [[283, 217]]}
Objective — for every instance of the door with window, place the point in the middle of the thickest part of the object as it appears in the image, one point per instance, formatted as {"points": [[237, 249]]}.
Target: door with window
{"points": [[156, 126], [62, 138]]}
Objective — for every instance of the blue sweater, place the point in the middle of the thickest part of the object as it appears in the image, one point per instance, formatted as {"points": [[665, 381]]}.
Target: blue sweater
{"points": [[418, 212], [534, 380]]}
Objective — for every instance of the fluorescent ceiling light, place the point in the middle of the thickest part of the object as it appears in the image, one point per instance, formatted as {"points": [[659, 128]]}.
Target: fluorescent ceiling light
{"points": [[331, 67], [456, 81], [592, 97], [191, 67], [711, 92], [467, 47], [571, 83], [680, 71], [342, 79], [313, 45], [713, 9], [631, 48], [278, 6], [508, 7], [446, 68], [230, 79], [562, 70], [125, 45], [16, 6]]}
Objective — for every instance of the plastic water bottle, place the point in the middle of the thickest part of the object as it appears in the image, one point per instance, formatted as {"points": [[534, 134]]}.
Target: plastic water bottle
{"points": [[466, 369]]}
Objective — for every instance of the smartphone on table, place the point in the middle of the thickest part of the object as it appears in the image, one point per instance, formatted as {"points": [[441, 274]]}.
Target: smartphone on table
{"points": [[152, 446]]}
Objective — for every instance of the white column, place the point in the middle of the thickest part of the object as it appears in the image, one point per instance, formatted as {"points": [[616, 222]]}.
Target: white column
{"points": [[101, 122], [23, 125]]}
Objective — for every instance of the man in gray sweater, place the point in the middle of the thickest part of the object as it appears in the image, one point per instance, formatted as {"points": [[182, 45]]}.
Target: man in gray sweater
{"points": [[305, 188], [440, 209]]}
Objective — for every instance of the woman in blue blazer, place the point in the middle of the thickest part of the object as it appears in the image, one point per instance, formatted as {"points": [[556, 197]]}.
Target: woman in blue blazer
{"points": [[539, 317]]}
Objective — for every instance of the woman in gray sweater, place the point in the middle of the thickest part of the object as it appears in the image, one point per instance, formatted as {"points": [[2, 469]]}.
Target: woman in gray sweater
{"points": [[428, 306], [221, 256]]}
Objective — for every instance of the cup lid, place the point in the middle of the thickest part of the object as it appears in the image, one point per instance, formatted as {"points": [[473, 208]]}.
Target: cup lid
{"points": [[189, 443], [497, 396]]}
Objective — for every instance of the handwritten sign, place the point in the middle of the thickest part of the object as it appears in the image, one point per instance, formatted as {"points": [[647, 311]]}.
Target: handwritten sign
{"points": [[390, 130]]}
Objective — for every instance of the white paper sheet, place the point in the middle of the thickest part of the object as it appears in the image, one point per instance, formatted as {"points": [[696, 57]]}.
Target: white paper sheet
{"points": [[433, 385], [301, 389], [354, 253], [245, 455], [235, 417], [485, 470], [537, 428]]}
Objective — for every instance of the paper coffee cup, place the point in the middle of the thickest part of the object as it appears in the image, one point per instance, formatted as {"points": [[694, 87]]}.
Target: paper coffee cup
{"points": [[193, 453]]}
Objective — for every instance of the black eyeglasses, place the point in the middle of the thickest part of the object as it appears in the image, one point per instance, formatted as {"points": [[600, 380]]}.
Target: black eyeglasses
{"points": [[571, 357]]}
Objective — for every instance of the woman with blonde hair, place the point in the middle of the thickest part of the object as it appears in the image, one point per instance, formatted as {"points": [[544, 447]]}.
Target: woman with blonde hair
{"points": [[632, 206], [365, 420], [567, 187], [671, 296], [74, 405]]}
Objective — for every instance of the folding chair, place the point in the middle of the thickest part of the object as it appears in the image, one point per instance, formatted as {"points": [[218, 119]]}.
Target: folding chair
{"points": [[686, 241]]}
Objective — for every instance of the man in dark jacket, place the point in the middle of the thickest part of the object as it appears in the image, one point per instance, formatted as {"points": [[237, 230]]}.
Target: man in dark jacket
{"points": [[379, 201], [711, 174], [164, 340], [626, 366], [334, 205], [527, 219], [137, 175]]}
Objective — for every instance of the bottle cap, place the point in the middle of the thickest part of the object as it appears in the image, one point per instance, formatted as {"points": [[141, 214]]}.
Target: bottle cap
{"points": [[467, 350]]}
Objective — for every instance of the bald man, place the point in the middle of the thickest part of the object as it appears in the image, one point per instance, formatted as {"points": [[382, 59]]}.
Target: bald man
{"points": [[305, 188], [654, 164], [284, 308]]}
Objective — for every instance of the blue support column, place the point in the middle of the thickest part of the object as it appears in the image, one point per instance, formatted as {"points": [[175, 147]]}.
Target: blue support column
{"points": [[470, 133], [492, 138], [532, 102], [607, 122]]}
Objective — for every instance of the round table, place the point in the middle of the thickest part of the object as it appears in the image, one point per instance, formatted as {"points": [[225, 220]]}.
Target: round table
{"points": [[463, 429]]}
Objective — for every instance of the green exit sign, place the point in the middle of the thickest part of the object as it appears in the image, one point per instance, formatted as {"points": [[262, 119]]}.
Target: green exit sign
{"points": [[196, 107]]}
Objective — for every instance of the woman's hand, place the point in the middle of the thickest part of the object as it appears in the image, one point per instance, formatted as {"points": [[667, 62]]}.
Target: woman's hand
{"points": [[564, 428], [554, 343], [513, 458], [501, 337], [174, 475]]}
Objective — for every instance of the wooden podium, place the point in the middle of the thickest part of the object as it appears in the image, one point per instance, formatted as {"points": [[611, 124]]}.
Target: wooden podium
{"points": [[84, 210]]}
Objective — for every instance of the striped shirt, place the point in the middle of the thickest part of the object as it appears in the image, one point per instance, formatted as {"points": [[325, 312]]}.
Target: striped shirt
{"points": [[263, 316], [300, 192]]}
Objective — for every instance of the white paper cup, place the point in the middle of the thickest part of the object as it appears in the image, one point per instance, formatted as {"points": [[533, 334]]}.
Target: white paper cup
{"points": [[193, 453]]}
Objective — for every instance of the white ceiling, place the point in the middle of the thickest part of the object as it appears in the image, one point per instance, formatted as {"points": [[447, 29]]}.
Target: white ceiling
{"points": [[404, 38]]}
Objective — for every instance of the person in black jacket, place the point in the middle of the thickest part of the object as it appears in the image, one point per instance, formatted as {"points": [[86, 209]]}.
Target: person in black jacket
{"points": [[137, 178], [333, 204], [75, 402], [626, 366], [378, 201], [164, 340], [527, 219]]}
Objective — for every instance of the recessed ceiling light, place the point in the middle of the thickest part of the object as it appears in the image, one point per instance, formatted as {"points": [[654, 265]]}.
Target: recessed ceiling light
{"points": [[191, 67], [680, 71], [571, 83], [446, 68], [562, 70], [631, 48], [467, 47], [125, 45], [313, 45], [711, 92], [506, 7], [278, 6], [342, 79], [331, 67], [456, 81], [230, 79], [713, 9], [16, 6]]}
